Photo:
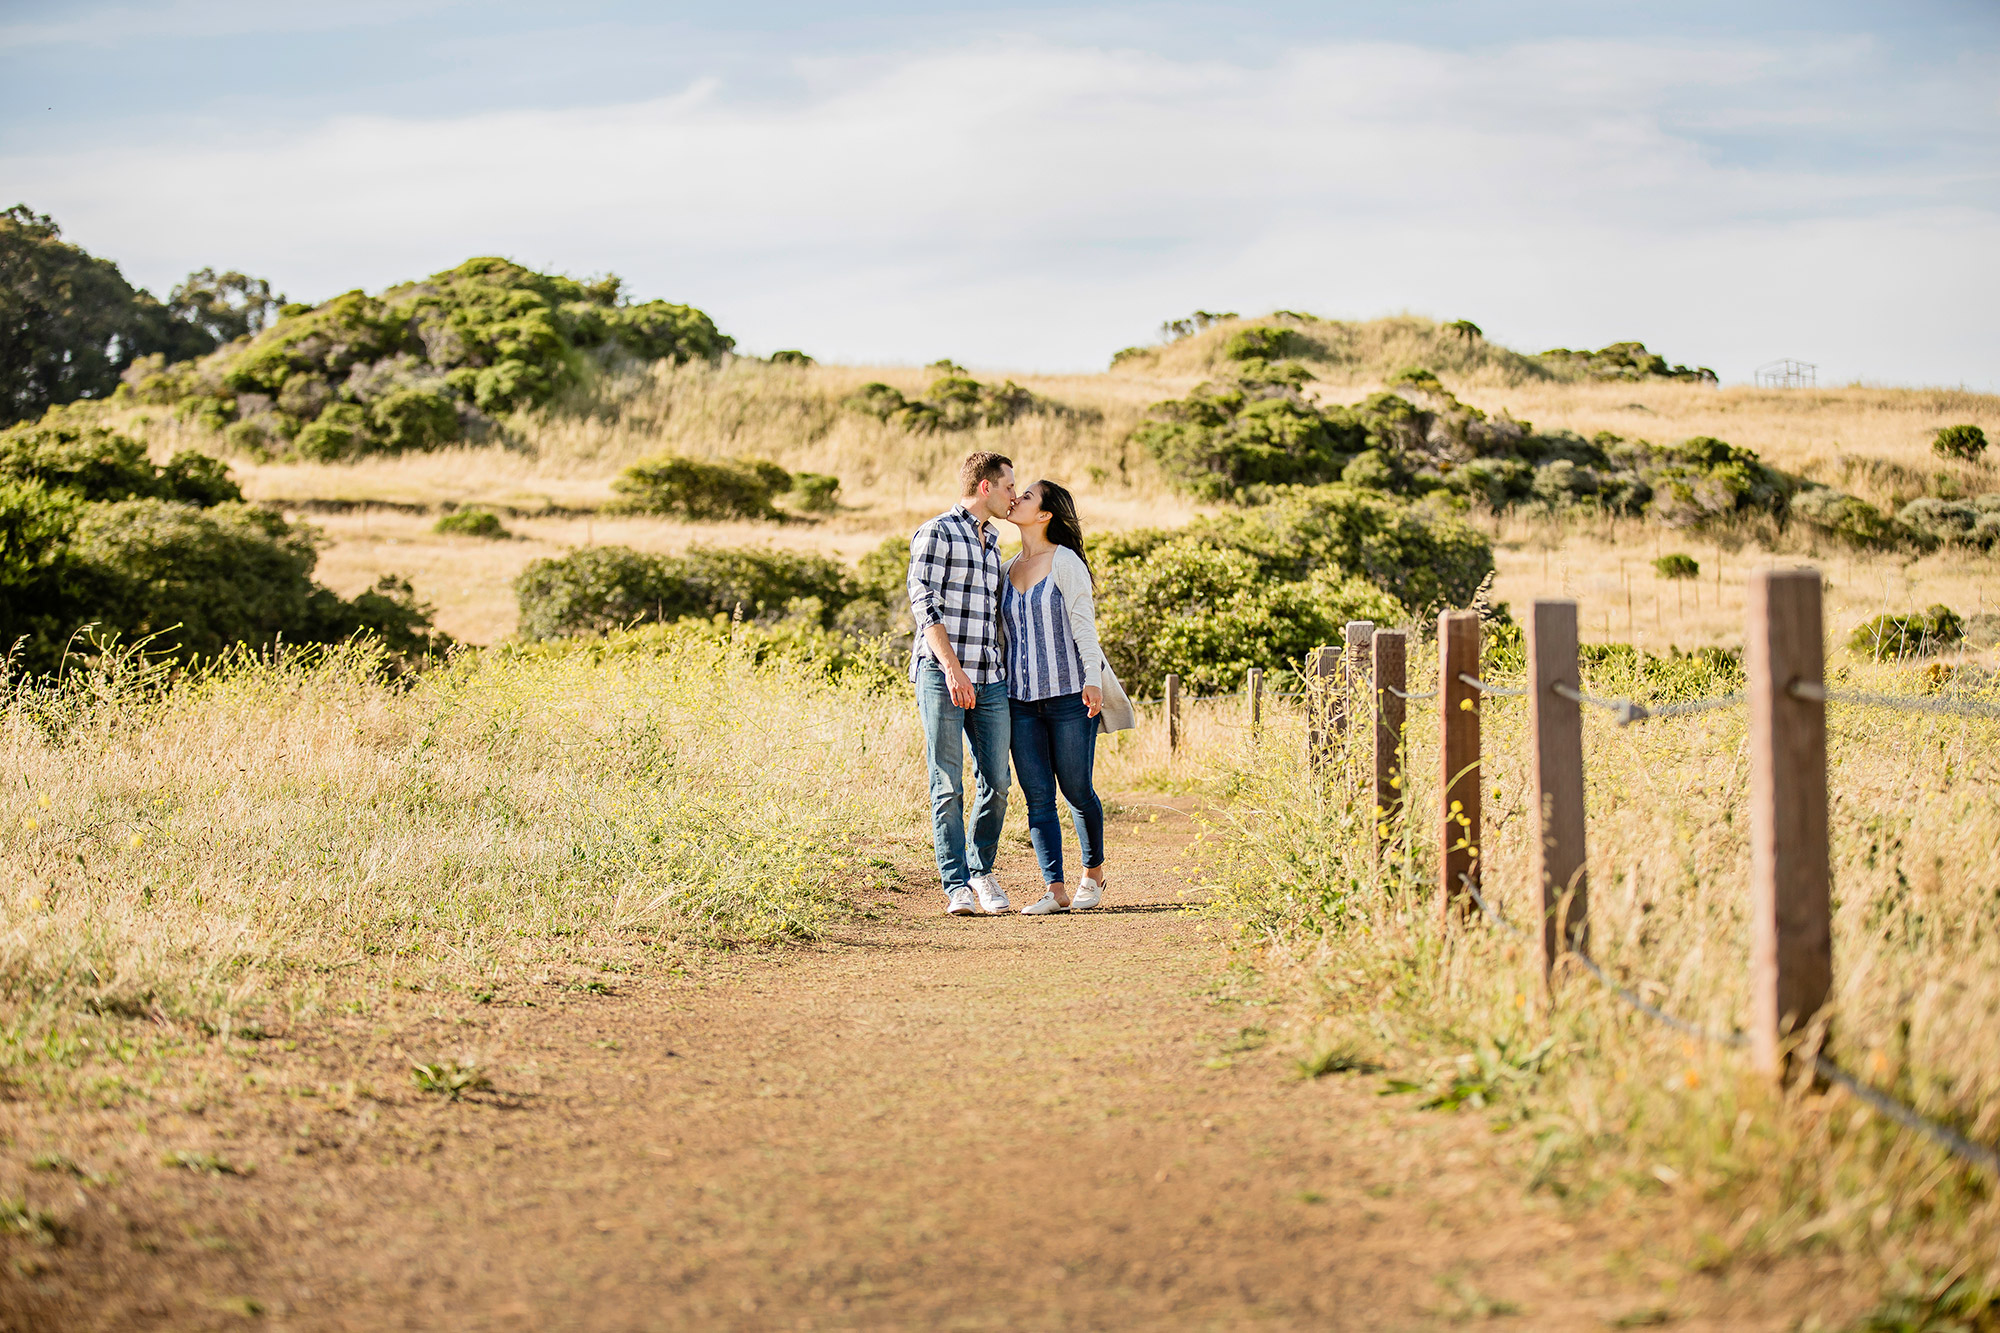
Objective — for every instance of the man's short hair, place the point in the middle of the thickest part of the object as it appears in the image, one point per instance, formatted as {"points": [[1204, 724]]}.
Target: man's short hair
{"points": [[979, 467]]}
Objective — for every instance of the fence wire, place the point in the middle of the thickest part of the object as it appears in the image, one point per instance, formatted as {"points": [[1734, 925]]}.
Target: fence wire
{"points": [[1819, 694], [1503, 691], [1628, 711], [1907, 1116], [1400, 694]]}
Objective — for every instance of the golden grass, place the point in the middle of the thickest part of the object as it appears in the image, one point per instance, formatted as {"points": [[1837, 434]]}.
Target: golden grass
{"points": [[1602, 1104], [225, 849]]}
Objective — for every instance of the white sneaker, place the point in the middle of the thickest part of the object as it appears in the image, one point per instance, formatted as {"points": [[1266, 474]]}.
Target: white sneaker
{"points": [[992, 900], [1046, 905], [1089, 893], [960, 902]]}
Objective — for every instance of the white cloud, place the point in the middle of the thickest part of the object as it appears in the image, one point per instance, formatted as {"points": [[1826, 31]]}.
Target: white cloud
{"points": [[1030, 205]]}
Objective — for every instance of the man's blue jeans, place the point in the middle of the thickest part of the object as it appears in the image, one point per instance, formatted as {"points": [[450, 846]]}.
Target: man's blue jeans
{"points": [[947, 728], [1055, 745]]}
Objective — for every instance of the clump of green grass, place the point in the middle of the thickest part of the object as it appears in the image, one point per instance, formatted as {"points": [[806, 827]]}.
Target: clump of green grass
{"points": [[472, 522], [37, 1224], [205, 1163], [1677, 566], [450, 1079]]}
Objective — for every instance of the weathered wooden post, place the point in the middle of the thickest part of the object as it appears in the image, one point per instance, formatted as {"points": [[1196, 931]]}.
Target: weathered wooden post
{"points": [[1173, 714], [1389, 685], [1253, 685], [1458, 751], [1321, 700], [1557, 726], [1791, 930], [1353, 669]]}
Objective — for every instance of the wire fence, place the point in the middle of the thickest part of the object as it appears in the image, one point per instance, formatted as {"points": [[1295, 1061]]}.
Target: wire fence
{"points": [[1767, 1045]]}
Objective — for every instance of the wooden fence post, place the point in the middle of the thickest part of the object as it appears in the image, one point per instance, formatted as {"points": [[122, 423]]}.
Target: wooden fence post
{"points": [[1389, 684], [1321, 697], [1173, 714], [1458, 750], [1353, 669], [1253, 685], [1791, 932], [1557, 726]]}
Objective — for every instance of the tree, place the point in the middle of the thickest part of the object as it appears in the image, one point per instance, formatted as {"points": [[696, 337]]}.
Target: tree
{"points": [[69, 322], [70, 325], [211, 309]]}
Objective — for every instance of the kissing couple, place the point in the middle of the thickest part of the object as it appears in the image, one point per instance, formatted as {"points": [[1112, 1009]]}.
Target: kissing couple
{"points": [[1006, 659]]}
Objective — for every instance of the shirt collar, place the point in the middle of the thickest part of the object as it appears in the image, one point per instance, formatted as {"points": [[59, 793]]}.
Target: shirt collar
{"points": [[987, 536]]}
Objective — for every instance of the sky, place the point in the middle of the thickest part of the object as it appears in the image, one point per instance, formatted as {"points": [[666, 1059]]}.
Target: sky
{"points": [[1033, 187]]}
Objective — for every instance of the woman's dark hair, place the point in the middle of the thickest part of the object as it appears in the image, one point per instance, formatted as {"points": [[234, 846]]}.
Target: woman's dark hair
{"points": [[1064, 530]]}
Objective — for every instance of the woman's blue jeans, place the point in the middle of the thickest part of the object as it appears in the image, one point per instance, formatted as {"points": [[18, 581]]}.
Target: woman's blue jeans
{"points": [[1055, 745]]}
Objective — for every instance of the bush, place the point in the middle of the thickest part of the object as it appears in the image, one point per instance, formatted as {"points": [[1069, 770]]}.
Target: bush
{"points": [[1911, 635], [599, 588], [1677, 566], [1852, 520], [815, 492], [1211, 614], [205, 580], [791, 356], [700, 490], [954, 402], [1962, 442], [91, 531], [1422, 559], [1264, 343], [472, 522], [1627, 361], [393, 372], [413, 419]]}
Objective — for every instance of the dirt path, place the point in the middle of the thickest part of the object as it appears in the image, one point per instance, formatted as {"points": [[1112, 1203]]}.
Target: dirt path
{"points": [[925, 1123]]}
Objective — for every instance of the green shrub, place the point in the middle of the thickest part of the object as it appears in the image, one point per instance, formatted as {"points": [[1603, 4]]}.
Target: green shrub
{"points": [[205, 580], [1964, 442], [599, 588], [696, 489], [471, 522], [1950, 521], [1839, 515], [486, 337], [340, 433], [1265, 343], [413, 419], [1420, 378], [1626, 361], [791, 356], [1423, 559], [1210, 614], [954, 402], [815, 492], [1677, 566], [1911, 635]]}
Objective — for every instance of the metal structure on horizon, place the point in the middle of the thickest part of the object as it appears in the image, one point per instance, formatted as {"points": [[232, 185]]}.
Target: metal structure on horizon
{"points": [[1787, 374]]}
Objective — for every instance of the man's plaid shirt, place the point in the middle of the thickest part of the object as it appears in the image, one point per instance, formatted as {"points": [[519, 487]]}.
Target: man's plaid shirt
{"points": [[955, 582]]}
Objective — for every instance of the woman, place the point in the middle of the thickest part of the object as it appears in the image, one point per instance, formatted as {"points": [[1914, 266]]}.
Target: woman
{"points": [[1055, 688]]}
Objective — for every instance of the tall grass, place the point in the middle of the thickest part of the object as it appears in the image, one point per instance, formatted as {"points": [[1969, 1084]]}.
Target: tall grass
{"points": [[213, 850], [1603, 1102]]}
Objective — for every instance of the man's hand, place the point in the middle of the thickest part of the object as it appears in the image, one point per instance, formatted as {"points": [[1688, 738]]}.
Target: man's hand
{"points": [[1093, 700], [960, 686]]}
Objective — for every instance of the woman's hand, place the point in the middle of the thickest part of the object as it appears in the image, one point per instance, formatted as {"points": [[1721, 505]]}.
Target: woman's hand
{"points": [[1093, 700]]}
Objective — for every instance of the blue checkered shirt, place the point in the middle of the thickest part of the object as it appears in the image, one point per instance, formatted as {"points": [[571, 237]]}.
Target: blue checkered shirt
{"points": [[955, 582]]}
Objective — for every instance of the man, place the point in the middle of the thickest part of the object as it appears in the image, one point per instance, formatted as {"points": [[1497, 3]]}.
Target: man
{"points": [[961, 678]]}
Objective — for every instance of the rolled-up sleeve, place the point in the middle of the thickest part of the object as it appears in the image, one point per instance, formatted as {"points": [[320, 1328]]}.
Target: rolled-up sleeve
{"points": [[927, 573]]}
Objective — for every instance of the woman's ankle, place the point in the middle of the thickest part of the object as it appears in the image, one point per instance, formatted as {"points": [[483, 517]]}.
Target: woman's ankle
{"points": [[1061, 893]]}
